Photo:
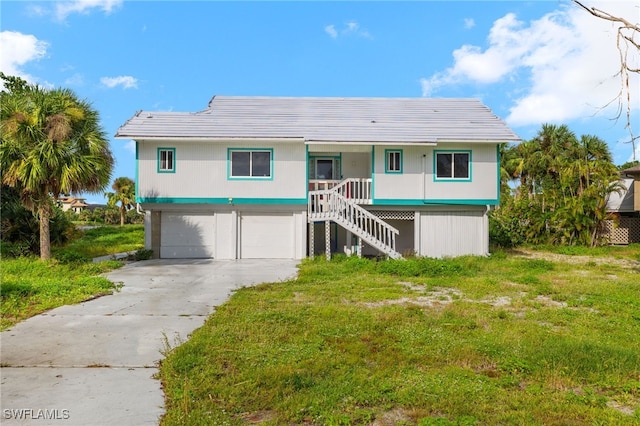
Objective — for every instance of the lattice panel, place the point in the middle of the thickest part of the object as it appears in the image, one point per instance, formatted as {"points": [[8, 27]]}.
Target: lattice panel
{"points": [[626, 231], [387, 215]]}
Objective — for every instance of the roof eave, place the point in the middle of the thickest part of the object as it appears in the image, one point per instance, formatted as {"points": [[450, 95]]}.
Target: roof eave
{"points": [[207, 138]]}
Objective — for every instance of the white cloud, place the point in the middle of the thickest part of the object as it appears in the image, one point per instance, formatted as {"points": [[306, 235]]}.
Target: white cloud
{"points": [[331, 30], [76, 79], [469, 23], [66, 8], [350, 28], [17, 50], [126, 81], [564, 64]]}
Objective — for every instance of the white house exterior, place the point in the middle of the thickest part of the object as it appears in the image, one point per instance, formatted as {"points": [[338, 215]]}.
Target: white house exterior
{"points": [[269, 177]]}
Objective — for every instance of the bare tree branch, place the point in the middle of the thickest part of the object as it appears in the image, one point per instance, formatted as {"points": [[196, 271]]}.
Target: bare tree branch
{"points": [[627, 32]]}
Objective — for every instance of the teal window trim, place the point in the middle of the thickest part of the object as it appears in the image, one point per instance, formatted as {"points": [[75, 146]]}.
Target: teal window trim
{"points": [[453, 152], [393, 167], [164, 168], [230, 151]]}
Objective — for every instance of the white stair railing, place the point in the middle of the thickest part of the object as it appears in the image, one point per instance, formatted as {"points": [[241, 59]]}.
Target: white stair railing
{"points": [[356, 189], [331, 205]]}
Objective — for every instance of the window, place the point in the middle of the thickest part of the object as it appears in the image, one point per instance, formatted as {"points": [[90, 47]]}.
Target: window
{"points": [[250, 163], [453, 165], [326, 168], [166, 160], [393, 161]]}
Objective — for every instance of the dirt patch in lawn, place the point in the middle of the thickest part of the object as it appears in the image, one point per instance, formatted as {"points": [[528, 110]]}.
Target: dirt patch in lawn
{"points": [[577, 259]]}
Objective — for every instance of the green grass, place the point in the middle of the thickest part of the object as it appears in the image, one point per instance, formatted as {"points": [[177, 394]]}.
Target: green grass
{"points": [[102, 241], [499, 340], [30, 286]]}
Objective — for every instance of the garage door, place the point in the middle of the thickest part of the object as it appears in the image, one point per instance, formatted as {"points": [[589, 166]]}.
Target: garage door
{"points": [[267, 236], [187, 236]]}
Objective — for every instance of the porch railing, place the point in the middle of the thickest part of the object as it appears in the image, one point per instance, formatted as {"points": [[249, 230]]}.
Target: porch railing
{"points": [[357, 190]]}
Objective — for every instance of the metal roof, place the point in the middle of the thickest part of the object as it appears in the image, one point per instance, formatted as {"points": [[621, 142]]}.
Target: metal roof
{"points": [[346, 120], [635, 170]]}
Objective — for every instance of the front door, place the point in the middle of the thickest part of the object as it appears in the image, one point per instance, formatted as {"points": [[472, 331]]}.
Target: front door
{"points": [[324, 169]]}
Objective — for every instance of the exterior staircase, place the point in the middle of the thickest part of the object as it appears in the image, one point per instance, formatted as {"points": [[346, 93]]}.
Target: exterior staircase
{"points": [[340, 204]]}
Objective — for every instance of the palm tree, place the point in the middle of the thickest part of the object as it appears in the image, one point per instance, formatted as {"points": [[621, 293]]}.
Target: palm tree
{"points": [[51, 144], [124, 193]]}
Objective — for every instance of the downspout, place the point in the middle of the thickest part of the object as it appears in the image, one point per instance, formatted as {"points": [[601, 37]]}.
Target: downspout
{"points": [[139, 209]]}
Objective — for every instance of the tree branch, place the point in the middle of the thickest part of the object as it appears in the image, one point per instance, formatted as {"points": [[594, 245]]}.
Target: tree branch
{"points": [[625, 40]]}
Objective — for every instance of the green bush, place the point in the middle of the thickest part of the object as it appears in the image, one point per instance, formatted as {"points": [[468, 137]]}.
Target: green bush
{"points": [[17, 249], [71, 256], [21, 230], [505, 230], [144, 254], [133, 217]]}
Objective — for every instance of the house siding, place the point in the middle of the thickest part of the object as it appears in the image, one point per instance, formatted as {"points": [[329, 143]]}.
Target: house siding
{"points": [[201, 174], [448, 233], [417, 185]]}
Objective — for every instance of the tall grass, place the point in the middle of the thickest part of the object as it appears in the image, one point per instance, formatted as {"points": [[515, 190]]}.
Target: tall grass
{"points": [[501, 340]]}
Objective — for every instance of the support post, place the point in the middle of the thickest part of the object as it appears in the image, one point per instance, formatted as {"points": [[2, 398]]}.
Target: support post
{"points": [[327, 239], [312, 242]]}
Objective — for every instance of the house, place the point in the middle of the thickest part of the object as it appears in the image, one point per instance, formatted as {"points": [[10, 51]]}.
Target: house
{"points": [[73, 203], [624, 207], [284, 177]]}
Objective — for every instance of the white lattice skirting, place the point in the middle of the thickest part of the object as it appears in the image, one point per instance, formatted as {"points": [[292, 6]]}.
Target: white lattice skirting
{"points": [[391, 215], [626, 230]]}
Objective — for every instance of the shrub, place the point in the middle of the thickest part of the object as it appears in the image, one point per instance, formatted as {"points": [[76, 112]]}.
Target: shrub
{"points": [[504, 229], [144, 254], [71, 256], [20, 227]]}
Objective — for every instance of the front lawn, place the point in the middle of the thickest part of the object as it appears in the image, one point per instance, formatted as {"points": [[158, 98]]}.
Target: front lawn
{"points": [[103, 240], [30, 286], [509, 339]]}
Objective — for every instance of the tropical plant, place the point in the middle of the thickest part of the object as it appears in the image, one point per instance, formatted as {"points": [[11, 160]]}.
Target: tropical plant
{"points": [[562, 186], [51, 144], [19, 229], [124, 193]]}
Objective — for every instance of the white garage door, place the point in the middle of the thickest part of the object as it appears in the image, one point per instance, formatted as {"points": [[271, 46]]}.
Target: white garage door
{"points": [[267, 236], [187, 236]]}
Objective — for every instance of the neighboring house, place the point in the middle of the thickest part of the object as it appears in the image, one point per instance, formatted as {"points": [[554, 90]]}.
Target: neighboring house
{"points": [[72, 203], [270, 177], [625, 206]]}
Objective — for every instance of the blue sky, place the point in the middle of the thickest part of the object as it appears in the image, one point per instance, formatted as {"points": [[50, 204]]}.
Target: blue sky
{"points": [[531, 62]]}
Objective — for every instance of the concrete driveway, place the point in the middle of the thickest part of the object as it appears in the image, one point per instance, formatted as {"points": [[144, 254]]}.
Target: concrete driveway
{"points": [[93, 363]]}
